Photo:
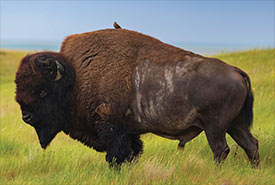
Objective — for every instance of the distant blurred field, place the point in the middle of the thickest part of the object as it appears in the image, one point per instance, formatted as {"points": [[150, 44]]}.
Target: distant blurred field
{"points": [[67, 161]]}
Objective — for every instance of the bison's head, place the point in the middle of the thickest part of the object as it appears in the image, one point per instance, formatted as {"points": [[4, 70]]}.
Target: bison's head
{"points": [[43, 81]]}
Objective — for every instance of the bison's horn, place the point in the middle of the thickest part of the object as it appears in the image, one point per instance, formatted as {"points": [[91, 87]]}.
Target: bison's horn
{"points": [[59, 70]]}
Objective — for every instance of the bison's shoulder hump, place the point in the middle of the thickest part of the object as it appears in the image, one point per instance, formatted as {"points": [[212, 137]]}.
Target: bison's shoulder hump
{"points": [[109, 35]]}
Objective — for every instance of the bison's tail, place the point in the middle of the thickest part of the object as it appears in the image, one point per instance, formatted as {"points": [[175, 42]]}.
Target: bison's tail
{"points": [[248, 105]]}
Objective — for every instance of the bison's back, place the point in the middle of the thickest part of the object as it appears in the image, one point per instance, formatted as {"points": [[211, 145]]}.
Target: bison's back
{"points": [[104, 61], [118, 44]]}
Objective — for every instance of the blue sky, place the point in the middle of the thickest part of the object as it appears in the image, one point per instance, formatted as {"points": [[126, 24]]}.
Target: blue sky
{"points": [[247, 22]]}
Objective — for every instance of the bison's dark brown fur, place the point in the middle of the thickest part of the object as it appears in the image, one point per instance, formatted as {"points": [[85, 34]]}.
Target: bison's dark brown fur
{"points": [[105, 88]]}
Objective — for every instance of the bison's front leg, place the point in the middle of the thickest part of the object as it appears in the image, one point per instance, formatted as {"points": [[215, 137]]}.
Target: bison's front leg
{"points": [[136, 145], [119, 144], [122, 147]]}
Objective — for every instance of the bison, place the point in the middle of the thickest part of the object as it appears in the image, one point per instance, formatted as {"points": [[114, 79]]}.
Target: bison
{"points": [[105, 88]]}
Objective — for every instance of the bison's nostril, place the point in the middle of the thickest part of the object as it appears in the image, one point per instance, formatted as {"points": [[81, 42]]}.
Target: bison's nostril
{"points": [[27, 117]]}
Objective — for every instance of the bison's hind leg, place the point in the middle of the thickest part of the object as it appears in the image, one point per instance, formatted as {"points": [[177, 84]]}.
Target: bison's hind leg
{"points": [[245, 139], [240, 132], [217, 144], [215, 134]]}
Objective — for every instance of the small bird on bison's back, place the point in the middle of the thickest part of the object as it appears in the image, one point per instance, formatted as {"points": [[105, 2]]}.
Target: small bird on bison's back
{"points": [[105, 88]]}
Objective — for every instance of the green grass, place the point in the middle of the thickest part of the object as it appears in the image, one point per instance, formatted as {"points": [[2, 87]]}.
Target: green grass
{"points": [[67, 161]]}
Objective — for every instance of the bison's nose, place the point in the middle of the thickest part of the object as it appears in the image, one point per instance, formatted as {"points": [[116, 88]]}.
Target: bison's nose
{"points": [[27, 116]]}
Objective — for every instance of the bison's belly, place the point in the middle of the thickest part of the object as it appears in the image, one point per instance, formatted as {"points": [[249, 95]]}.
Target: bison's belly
{"points": [[160, 98]]}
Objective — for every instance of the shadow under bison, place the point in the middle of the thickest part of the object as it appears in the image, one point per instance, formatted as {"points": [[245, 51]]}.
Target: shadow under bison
{"points": [[105, 88]]}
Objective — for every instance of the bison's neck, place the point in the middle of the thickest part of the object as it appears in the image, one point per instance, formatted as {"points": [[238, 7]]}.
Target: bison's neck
{"points": [[78, 129], [88, 137], [82, 126], [85, 136]]}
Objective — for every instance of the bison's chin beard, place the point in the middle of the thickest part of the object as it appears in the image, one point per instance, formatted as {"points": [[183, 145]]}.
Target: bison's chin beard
{"points": [[45, 136]]}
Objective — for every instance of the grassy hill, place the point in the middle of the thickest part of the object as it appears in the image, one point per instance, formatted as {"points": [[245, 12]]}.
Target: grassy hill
{"points": [[67, 161]]}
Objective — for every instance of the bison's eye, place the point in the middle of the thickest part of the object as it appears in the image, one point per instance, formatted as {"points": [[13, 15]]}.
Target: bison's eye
{"points": [[43, 93]]}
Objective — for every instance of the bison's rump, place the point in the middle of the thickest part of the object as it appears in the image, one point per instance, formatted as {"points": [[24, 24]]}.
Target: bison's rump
{"points": [[177, 94]]}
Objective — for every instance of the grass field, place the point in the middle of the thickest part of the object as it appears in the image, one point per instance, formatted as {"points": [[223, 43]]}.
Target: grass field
{"points": [[67, 161]]}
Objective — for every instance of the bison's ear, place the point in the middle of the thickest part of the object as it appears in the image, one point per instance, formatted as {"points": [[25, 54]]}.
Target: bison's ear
{"points": [[50, 67]]}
